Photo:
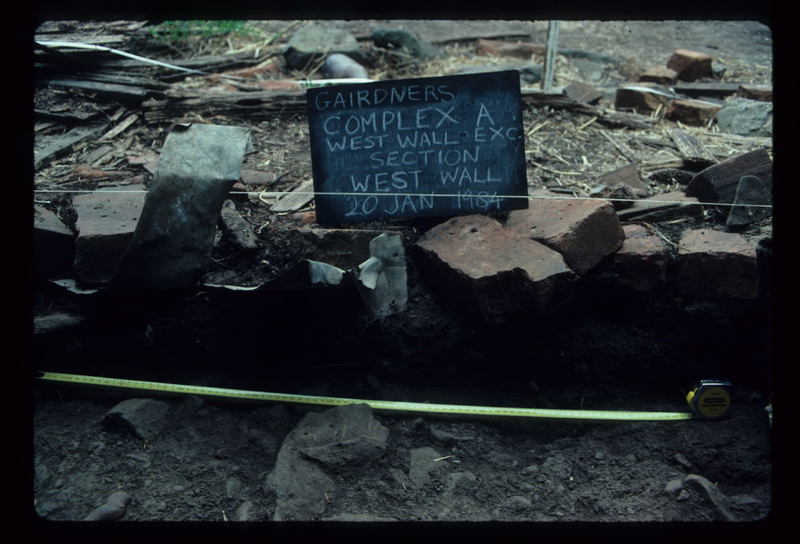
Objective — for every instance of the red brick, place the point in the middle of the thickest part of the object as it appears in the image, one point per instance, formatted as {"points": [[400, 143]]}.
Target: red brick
{"points": [[641, 262], [634, 96], [494, 269], [692, 112], [106, 223], [690, 65], [583, 231], [659, 74], [716, 264], [756, 92]]}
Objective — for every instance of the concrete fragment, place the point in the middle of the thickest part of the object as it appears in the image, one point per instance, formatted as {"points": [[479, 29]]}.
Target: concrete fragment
{"points": [[311, 43], [746, 117], [584, 232], [338, 66], [143, 417], [751, 190], [423, 465], [716, 264], [692, 112], [690, 65], [114, 508], [718, 183], [106, 223], [641, 262], [237, 228], [493, 270], [713, 493], [383, 276], [53, 244], [345, 435]]}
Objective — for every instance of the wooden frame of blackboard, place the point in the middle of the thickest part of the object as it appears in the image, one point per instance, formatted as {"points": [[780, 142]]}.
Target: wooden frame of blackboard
{"points": [[421, 147]]}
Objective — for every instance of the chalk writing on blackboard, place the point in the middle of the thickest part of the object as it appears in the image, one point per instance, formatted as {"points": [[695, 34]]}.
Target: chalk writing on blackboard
{"points": [[421, 147]]}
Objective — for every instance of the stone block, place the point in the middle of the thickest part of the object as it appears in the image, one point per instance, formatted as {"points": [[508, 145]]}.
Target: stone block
{"points": [[746, 117], [311, 43], [692, 112], [715, 264], [494, 270], [584, 232], [106, 223], [752, 195], [690, 65], [641, 262], [53, 244]]}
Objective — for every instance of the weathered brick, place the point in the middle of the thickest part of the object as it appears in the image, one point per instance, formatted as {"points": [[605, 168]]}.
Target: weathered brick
{"points": [[755, 92], [583, 231], [659, 74], [641, 97], [496, 271], [690, 65], [641, 262], [715, 264], [106, 223], [53, 244], [692, 112]]}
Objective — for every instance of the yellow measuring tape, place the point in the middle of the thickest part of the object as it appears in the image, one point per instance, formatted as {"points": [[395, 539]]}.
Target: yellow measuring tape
{"points": [[380, 405]]}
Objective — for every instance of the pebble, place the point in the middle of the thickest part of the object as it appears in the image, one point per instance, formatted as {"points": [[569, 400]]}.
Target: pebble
{"points": [[681, 459], [115, 507], [518, 503], [673, 486]]}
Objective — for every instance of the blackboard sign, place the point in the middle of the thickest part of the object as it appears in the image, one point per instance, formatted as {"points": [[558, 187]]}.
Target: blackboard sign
{"points": [[439, 146]]}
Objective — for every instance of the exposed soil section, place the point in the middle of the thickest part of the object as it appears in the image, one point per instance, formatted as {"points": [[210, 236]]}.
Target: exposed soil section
{"points": [[608, 350]]}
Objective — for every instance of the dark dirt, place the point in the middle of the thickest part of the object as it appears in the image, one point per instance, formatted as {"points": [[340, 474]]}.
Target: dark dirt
{"points": [[607, 350]]}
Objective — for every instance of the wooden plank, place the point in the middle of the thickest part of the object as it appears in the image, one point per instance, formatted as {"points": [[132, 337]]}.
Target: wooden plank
{"points": [[256, 104], [706, 89], [295, 200], [62, 143], [128, 93], [690, 148]]}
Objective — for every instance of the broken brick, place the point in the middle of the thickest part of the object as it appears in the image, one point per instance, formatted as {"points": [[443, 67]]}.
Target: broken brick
{"points": [[662, 207], [106, 223], [641, 262], [692, 112], [495, 271], [716, 264], [583, 231], [755, 92], [690, 65], [642, 97], [583, 92]]}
